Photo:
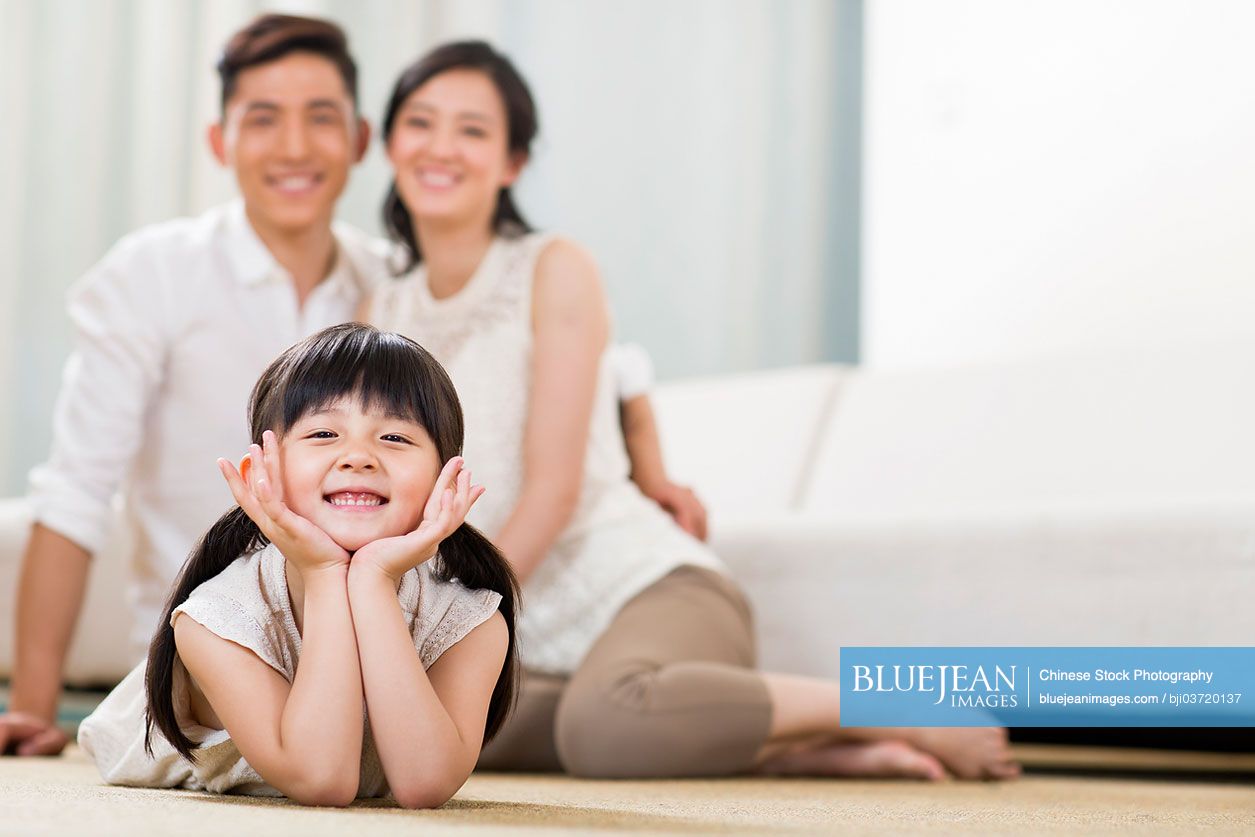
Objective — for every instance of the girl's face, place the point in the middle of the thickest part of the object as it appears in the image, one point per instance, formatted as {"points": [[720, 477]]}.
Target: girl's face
{"points": [[359, 476], [450, 149]]}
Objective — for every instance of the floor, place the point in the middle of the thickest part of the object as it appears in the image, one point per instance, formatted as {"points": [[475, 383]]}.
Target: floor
{"points": [[1065, 791]]}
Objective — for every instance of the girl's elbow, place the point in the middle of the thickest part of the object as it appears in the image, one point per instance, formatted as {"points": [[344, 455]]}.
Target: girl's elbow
{"points": [[418, 795], [431, 788], [330, 791]]}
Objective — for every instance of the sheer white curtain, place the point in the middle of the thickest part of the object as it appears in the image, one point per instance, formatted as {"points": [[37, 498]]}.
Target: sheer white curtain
{"points": [[686, 144]]}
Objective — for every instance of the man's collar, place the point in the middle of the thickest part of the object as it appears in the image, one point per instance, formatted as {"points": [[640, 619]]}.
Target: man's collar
{"points": [[251, 261]]}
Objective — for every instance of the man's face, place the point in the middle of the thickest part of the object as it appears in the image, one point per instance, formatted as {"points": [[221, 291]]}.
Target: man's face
{"points": [[291, 136]]}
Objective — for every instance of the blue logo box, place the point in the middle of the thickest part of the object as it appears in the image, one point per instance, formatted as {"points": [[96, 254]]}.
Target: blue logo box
{"points": [[1047, 687]]}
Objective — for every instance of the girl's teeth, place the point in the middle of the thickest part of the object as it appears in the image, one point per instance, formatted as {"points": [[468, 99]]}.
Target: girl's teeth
{"points": [[355, 500]]}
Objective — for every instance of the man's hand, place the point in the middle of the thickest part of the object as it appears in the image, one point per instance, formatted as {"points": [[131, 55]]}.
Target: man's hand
{"points": [[681, 503], [24, 734], [49, 597]]}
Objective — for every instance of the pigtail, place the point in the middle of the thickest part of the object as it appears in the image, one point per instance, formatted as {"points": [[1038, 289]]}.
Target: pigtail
{"points": [[472, 559], [232, 536]]}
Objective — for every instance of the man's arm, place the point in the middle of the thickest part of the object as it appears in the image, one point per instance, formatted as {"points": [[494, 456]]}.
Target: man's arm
{"points": [[120, 318], [49, 598]]}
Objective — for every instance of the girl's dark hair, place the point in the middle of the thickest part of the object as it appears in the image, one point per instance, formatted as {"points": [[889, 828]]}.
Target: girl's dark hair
{"points": [[521, 120], [383, 371]]}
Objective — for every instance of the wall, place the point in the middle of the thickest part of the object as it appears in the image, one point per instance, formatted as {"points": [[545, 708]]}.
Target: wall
{"points": [[1047, 178], [687, 145]]}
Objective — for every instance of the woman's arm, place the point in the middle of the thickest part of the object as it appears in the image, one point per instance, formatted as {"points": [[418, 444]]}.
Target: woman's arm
{"points": [[640, 433], [428, 725], [570, 327], [303, 738]]}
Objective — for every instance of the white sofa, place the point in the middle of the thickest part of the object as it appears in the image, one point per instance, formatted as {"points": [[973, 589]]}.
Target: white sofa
{"points": [[1074, 501]]}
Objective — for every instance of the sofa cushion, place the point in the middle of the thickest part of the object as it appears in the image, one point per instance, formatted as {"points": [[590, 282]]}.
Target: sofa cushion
{"points": [[1115, 432], [745, 442]]}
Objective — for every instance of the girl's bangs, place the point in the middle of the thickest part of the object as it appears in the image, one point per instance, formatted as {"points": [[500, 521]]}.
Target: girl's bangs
{"points": [[382, 374]]}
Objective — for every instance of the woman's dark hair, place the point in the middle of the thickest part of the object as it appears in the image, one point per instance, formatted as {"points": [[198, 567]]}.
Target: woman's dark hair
{"points": [[272, 36], [521, 122], [383, 371]]}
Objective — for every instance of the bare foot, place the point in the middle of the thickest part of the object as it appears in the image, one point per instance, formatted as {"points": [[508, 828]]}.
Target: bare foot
{"points": [[870, 760], [968, 752]]}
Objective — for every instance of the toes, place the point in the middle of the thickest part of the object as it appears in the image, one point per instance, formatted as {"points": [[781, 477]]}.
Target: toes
{"points": [[1002, 771], [930, 768], [899, 759]]}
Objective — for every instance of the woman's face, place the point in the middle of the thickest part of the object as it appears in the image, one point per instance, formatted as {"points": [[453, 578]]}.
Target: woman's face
{"points": [[450, 149]]}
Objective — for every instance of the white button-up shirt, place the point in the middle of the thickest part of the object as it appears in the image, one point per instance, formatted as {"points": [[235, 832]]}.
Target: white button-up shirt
{"points": [[174, 326]]}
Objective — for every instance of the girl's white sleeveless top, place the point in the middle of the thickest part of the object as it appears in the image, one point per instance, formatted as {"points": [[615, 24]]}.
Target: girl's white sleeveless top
{"points": [[248, 604], [618, 542]]}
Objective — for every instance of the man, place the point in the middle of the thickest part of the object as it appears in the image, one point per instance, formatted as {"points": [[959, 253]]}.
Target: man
{"points": [[174, 326]]}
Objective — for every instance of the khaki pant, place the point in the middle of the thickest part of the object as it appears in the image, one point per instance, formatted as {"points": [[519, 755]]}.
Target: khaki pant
{"points": [[668, 690]]}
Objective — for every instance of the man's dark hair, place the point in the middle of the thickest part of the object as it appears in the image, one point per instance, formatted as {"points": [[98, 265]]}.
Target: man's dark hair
{"points": [[271, 37]]}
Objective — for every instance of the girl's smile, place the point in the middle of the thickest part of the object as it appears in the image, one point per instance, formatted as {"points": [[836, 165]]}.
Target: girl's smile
{"points": [[356, 499]]}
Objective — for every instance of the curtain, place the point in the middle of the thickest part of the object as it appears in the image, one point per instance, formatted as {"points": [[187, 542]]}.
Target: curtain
{"points": [[688, 145]]}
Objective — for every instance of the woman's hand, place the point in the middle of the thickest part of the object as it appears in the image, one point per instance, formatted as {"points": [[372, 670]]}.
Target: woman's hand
{"points": [[260, 494], [451, 498], [682, 504]]}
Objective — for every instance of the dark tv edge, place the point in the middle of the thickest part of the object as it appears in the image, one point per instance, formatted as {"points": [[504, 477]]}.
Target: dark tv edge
{"points": [[1206, 739]]}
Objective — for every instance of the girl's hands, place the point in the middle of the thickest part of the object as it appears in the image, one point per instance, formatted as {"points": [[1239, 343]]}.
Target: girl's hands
{"points": [[451, 498], [260, 495]]}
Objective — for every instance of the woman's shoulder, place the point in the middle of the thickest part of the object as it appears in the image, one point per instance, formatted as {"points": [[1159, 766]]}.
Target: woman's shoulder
{"points": [[556, 253], [565, 276]]}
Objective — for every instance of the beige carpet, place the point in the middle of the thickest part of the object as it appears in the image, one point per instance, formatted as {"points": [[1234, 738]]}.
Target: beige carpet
{"points": [[65, 796]]}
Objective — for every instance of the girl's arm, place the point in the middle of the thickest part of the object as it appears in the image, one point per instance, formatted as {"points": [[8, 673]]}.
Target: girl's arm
{"points": [[428, 725], [303, 738], [570, 327]]}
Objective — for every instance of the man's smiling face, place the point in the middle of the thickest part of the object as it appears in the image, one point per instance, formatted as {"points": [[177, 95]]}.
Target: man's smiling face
{"points": [[291, 134]]}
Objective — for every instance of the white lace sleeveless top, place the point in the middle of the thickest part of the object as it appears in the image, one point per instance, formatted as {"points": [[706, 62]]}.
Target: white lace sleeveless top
{"points": [[248, 603], [618, 542]]}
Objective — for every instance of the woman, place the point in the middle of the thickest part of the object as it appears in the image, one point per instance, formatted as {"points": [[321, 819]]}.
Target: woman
{"points": [[638, 646]]}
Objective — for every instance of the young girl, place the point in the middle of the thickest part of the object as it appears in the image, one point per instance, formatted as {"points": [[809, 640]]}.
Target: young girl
{"points": [[638, 645], [316, 644]]}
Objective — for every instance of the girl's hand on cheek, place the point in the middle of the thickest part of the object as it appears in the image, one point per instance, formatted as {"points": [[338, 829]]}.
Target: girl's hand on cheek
{"points": [[261, 497], [447, 506]]}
